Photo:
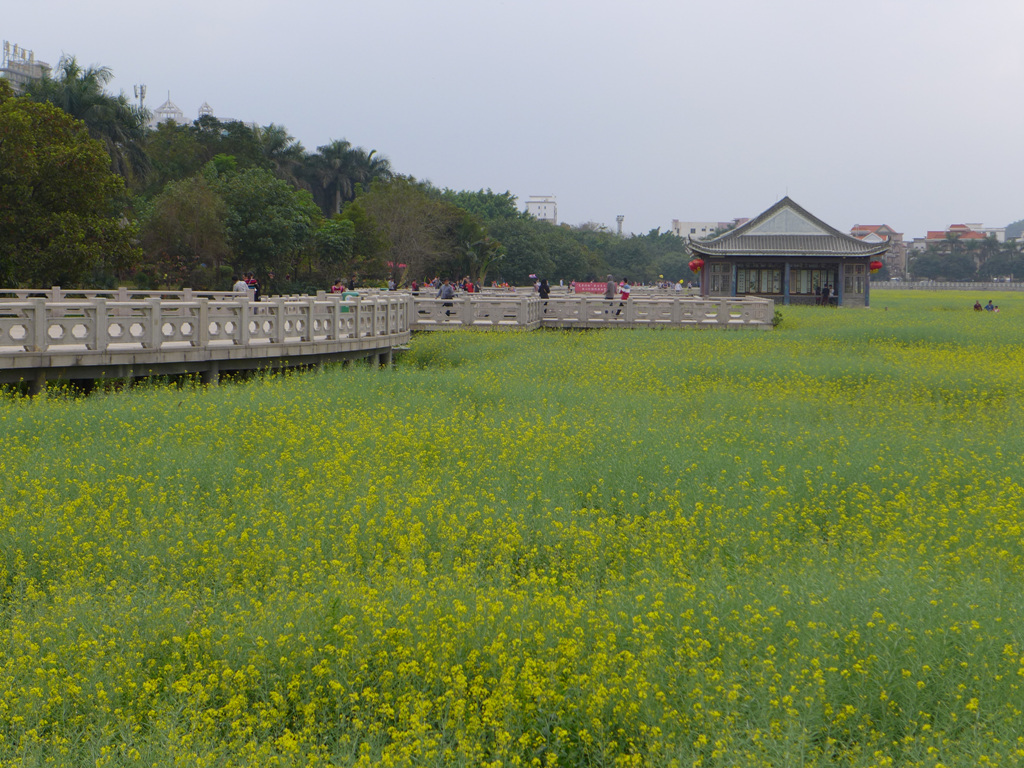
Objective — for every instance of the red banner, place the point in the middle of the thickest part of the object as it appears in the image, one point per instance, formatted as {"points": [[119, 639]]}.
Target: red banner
{"points": [[591, 287]]}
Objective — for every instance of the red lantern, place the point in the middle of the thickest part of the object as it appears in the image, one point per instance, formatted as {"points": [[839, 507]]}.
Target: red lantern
{"points": [[697, 265], [874, 266]]}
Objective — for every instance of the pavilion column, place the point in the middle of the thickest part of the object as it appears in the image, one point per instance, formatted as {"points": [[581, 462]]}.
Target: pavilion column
{"points": [[841, 272], [785, 284], [732, 280]]}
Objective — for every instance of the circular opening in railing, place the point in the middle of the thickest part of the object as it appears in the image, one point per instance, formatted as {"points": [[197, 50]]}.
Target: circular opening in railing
{"points": [[186, 329], [79, 331], [267, 327], [135, 330], [214, 328], [316, 326], [289, 326], [328, 325], [229, 327], [55, 332], [253, 326], [300, 326], [115, 330], [167, 330], [18, 332]]}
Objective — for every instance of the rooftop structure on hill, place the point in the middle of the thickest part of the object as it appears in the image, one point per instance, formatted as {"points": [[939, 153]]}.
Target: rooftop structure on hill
{"points": [[20, 67]]}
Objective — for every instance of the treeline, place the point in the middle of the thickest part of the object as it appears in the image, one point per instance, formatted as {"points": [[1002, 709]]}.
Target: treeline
{"points": [[92, 196], [968, 260]]}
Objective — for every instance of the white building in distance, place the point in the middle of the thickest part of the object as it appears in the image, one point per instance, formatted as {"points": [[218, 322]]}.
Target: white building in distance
{"points": [[20, 67], [167, 111], [698, 230], [543, 207]]}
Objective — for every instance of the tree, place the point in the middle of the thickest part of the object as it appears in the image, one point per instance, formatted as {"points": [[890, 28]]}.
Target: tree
{"points": [[335, 238], [175, 153], [283, 152], [268, 221], [338, 169], [61, 207], [185, 233], [422, 232], [229, 137], [487, 205], [112, 120], [369, 244]]}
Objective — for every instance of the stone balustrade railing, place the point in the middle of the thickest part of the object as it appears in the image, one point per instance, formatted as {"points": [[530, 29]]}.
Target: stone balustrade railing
{"points": [[79, 338], [476, 310], [56, 293], [587, 311]]}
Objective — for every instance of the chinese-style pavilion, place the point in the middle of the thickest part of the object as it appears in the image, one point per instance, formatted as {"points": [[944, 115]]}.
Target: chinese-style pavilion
{"points": [[789, 255]]}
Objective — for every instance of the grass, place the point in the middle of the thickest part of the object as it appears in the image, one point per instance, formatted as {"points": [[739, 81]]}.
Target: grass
{"points": [[576, 548]]}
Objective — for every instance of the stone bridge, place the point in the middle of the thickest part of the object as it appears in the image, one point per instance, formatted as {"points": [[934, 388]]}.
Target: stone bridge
{"points": [[90, 335]]}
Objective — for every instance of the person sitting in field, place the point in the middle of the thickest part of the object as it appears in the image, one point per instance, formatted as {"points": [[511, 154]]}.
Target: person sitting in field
{"points": [[977, 306], [989, 307]]}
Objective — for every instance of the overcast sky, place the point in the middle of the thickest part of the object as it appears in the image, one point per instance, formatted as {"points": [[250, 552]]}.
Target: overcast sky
{"points": [[903, 112]]}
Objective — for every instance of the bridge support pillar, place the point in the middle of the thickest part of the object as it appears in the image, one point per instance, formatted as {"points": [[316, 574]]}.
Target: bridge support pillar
{"points": [[211, 375], [37, 383]]}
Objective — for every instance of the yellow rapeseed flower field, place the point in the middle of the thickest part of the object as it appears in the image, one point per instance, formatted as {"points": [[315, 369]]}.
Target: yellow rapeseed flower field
{"points": [[614, 548]]}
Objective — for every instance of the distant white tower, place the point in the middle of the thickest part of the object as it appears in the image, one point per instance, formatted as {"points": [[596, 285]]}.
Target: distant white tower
{"points": [[543, 207], [206, 110], [618, 220]]}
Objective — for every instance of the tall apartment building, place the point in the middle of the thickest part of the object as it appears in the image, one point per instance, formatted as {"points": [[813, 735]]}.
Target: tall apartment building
{"points": [[543, 207]]}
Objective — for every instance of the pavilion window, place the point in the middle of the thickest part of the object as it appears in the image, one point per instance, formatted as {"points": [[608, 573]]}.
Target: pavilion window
{"points": [[720, 278]]}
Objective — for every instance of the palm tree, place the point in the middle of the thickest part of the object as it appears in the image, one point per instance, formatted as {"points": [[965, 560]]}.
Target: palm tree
{"points": [[371, 167], [337, 168], [332, 171], [113, 120], [284, 153]]}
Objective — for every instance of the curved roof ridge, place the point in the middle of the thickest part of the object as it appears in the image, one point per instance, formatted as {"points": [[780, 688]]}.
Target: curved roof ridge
{"points": [[807, 235]]}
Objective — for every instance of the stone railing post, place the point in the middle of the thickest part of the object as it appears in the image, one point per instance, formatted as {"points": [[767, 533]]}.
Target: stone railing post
{"points": [[154, 328], [55, 293], [102, 326], [38, 338], [203, 321], [122, 293], [465, 310], [335, 318], [308, 311], [243, 322], [277, 313], [722, 317], [356, 310]]}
